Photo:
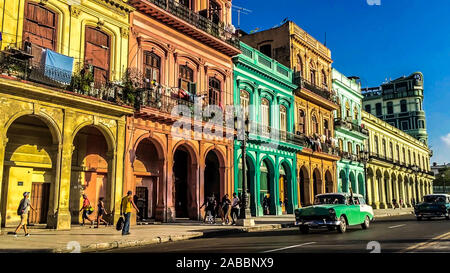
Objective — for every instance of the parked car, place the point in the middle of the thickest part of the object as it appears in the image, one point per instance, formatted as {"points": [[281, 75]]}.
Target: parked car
{"points": [[433, 205], [334, 211]]}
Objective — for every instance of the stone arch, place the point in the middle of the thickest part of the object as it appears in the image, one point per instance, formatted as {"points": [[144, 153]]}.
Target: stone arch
{"points": [[288, 186], [268, 178], [304, 186], [353, 182], [361, 185], [159, 144], [329, 185], [47, 119], [253, 188], [317, 181], [109, 136], [343, 181]]}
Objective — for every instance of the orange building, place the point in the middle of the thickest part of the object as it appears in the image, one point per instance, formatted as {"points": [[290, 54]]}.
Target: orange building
{"points": [[180, 52]]}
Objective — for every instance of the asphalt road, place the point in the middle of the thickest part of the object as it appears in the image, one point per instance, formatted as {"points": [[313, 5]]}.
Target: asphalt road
{"points": [[386, 235]]}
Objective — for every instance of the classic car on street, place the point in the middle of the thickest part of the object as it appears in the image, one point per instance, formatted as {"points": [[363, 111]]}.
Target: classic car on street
{"points": [[334, 211], [433, 205]]}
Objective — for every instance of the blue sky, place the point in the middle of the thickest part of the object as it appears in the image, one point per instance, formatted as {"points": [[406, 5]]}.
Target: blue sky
{"points": [[375, 42]]}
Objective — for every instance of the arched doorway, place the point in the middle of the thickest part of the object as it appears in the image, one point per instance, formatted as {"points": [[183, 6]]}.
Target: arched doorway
{"points": [[29, 166], [317, 182], [147, 169], [91, 163], [352, 179], [304, 187], [181, 171], [393, 190], [343, 180], [379, 189], [212, 175], [387, 189], [285, 188], [267, 185], [250, 170], [329, 187]]}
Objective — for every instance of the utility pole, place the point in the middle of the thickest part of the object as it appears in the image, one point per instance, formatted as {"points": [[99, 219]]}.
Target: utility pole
{"points": [[239, 11]]}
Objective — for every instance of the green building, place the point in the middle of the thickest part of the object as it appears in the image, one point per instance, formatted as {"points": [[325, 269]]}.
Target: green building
{"points": [[264, 90], [349, 134]]}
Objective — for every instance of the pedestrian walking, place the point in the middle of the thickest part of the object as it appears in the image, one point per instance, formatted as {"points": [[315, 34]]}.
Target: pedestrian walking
{"points": [[266, 202], [210, 205], [22, 211], [226, 203], [235, 208], [125, 210], [87, 210], [401, 203], [100, 212], [394, 203]]}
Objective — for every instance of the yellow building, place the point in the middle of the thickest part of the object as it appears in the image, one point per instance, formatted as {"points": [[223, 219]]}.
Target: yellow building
{"points": [[62, 134], [398, 167], [314, 103]]}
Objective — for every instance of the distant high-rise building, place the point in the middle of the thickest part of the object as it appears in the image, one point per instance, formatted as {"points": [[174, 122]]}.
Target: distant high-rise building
{"points": [[399, 103]]}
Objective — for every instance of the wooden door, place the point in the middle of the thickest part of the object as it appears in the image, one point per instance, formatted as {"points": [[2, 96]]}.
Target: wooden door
{"points": [[40, 193], [142, 202]]}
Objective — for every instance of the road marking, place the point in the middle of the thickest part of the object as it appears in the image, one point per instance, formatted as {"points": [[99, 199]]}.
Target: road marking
{"points": [[397, 226], [288, 247], [428, 243]]}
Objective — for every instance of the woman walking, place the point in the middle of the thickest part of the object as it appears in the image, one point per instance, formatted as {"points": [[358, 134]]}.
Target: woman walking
{"points": [[87, 210], [100, 212], [226, 202]]}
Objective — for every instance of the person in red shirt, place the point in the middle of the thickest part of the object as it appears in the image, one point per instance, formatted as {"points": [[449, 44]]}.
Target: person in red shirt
{"points": [[87, 210]]}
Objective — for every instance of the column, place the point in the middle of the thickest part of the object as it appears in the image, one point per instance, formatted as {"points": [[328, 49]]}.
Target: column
{"points": [[383, 197], [62, 218], [54, 192], [396, 191], [117, 170], [370, 199], [3, 142], [276, 187]]}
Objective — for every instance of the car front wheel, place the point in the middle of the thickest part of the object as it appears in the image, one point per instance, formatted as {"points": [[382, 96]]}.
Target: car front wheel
{"points": [[343, 226], [304, 229], [366, 223]]}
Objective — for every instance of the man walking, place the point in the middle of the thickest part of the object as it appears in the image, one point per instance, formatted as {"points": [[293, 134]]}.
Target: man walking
{"points": [[125, 210], [235, 208], [24, 207]]}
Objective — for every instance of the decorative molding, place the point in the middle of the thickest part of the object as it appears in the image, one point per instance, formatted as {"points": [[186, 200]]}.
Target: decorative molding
{"points": [[124, 32], [75, 12]]}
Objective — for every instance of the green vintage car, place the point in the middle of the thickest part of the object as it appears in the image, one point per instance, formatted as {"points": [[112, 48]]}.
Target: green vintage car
{"points": [[334, 211]]}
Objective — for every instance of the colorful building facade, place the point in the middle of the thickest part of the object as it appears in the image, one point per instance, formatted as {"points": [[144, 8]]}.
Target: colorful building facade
{"points": [[349, 134], [264, 91], [398, 165], [62, 130], [180, 53], [314, 103]]}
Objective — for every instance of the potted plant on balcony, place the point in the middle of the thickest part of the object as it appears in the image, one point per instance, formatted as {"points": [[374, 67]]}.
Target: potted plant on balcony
{"points": [[81, 82]]}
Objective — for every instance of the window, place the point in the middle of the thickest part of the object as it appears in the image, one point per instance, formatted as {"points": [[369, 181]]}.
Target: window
{"points": [[214, 12], [341, 145], [403, 106], [186, 3], [368, 108], [215, 87], [349, 147], [265, 115], [299, 65], [378, 109], [324, 78], [409, 156], [347, 110], [391, 150], [398, 153], [358, 149], [390, 108], [376, 145], [301, 121], [405, 125], [421, 124], [152, 66], [315, 124], [404, 156], [266, 50], [283, 119], [312, 74], [97, 53], [356, 113], [245, 102], [186, 78], [384, 148], [39, 29], [326, 129]]}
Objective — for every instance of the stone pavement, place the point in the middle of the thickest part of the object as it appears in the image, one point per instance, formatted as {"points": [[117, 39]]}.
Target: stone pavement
{"points": [[85, 239]]}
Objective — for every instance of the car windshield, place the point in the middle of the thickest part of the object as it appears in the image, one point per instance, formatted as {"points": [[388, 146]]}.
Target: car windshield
{"points": [[434, 199], [329, 199]]}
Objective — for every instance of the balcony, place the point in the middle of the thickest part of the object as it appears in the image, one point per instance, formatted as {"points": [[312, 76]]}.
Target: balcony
{"points": [[218, 36], [17, 64], [350, 126], [274, 135], [321, 91], [351, 157], [317, 94]]}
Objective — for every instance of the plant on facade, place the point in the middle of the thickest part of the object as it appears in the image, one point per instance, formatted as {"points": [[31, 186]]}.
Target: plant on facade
{"points": [[81, 82]]}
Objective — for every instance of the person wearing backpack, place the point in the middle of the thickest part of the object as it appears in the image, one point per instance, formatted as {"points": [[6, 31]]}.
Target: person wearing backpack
{"points": [[87, 210], [24, 207]]}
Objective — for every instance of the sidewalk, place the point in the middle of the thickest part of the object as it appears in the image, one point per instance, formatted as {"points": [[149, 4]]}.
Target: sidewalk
{"points": [[85, 239], [392, 212]]}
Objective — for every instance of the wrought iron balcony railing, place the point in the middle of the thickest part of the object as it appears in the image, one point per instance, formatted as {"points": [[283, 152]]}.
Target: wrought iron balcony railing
{"points": [[339, 122], [324, 92], [197, 20], [275, 135]]}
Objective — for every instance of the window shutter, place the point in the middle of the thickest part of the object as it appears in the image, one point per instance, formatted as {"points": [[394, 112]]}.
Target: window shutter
{"points": [[193, 88]]}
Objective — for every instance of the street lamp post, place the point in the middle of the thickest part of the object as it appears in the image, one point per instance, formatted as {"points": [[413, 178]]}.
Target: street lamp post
{"points": [[246, 219]]}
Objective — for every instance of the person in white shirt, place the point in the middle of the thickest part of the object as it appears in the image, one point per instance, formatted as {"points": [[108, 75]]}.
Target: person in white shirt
{"points": [[235, 208]]}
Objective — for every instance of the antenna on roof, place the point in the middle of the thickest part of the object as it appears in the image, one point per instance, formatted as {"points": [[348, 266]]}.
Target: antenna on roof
{"points": [[239, 11], [325, 44]]}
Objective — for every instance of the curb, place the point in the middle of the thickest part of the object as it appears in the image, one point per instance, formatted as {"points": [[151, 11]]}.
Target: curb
{"points": [[164, 239], [393, 214]]}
